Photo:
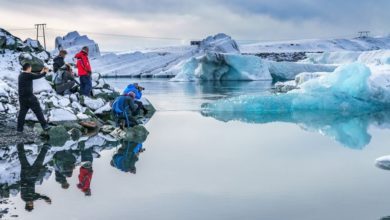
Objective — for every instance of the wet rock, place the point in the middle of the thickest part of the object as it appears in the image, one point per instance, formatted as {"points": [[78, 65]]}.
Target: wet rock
{"points": [[69, 125], [58, 135], [36, 63], [136, 134], [38, 128], [75, 134]]}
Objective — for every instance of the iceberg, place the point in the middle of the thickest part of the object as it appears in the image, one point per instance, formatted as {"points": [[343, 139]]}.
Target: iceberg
{"points": [[218, 66], [346, 90], [289, 70], [73, 42]]}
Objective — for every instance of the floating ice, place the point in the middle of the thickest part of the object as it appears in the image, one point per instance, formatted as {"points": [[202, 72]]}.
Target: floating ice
{"points": [[346, 90], [383, 162]]}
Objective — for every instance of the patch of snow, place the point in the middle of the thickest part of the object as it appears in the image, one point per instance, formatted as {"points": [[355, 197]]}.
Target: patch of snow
{"points": [[57, 115], [93, 104]]}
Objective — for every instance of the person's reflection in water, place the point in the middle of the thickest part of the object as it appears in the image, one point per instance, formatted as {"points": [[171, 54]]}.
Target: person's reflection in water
{"points": [[29, 175], [64, 163], [85, 178], [127, 156]]}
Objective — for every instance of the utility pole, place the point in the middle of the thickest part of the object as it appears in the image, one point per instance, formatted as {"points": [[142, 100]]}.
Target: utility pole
{"points": [[363, 34], [43, 35]]}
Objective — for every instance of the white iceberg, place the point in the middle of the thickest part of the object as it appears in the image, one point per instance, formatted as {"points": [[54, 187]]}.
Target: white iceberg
{"points": [[218, 66], [73, 42]]}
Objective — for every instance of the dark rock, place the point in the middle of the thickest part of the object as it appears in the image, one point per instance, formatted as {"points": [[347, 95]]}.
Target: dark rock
{"points": [[137, 134], [58, 135], [36, 63], [75, 134]]}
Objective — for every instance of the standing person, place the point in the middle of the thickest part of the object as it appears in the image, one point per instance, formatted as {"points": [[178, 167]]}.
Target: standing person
{"points": [[27, 99], [84, 71]]}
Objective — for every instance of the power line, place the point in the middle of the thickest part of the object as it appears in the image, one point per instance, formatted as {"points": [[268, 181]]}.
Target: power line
{"points": [[121, 35]]}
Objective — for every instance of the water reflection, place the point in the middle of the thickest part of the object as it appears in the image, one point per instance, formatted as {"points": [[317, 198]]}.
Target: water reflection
{"points": [[349, 130], [64, 162], [30, 174], [126, 156], [24, 166], [85, 178]]}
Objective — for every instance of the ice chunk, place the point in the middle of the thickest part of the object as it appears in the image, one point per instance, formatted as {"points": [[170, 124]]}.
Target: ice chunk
{"points": [[345, 90], [383, 162], [288, 70], [215, 66]]}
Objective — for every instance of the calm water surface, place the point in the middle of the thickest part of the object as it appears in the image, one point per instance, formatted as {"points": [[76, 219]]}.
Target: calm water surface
{"points": [[232, 167]]}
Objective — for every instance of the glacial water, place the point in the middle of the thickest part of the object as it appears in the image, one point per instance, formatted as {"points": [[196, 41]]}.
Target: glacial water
{"points": [[231, 166]]}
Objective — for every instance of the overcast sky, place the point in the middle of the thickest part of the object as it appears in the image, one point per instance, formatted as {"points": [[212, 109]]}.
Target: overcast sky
{"points": [[260, 20]]}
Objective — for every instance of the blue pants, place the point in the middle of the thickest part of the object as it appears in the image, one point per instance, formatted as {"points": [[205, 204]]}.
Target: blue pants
{"points": [[85, 85]]}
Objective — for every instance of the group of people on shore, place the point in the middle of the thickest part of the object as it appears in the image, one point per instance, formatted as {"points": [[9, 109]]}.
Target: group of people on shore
{"points": [[125, 108]]}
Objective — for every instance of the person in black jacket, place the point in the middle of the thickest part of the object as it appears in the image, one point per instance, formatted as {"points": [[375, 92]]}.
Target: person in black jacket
{"points": [[29, 175], [27, 99]]}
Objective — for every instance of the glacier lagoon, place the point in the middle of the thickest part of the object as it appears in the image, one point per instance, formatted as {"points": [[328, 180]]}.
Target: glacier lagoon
{"points": [[215, 165]]}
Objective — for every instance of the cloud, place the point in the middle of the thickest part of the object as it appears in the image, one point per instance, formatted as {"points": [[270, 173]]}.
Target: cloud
{"points": [[188, 19]]}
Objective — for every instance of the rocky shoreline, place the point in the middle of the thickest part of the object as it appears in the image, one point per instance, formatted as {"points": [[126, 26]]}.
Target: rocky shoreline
{"points": [[71, 116]]}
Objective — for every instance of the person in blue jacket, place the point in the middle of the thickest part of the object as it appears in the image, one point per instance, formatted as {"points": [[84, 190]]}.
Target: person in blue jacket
{"points": [[127, 156], [137, 90], [124, 107]]}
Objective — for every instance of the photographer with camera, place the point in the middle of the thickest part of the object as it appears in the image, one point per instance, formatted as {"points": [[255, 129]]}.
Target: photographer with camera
{"points": [[27, 99], [137, 90]]}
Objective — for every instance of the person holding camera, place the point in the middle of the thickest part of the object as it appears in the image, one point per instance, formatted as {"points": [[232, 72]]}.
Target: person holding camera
{"points": [[27, 99], [84, 71], [137, 90]]}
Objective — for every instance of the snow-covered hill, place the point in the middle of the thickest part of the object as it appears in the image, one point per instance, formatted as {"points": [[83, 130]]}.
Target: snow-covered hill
{"points": [[315, 45]]}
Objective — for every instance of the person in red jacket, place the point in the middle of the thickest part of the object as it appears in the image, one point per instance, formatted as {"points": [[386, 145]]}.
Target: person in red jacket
{"points": [[84, 71], [85, 178]]}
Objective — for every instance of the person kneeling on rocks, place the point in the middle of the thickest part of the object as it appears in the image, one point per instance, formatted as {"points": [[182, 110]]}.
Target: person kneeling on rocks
{"points": [[64, 81], [124, 108], [137, 90], [27, 99]]}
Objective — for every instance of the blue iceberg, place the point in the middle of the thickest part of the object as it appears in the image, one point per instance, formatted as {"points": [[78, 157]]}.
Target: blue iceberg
{"points": [[346, 90], [340, 105]]}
